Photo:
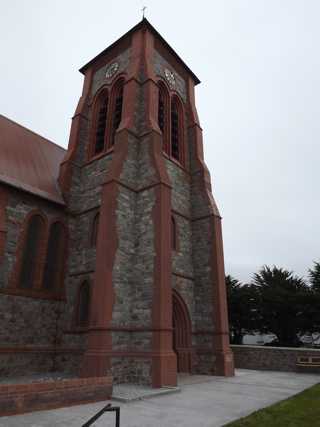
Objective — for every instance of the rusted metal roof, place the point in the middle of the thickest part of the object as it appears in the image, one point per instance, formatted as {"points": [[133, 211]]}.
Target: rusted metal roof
{"points": [[28, 161]]}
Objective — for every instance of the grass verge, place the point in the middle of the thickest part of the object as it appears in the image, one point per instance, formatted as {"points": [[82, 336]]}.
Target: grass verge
{"points": [[301, 410]]}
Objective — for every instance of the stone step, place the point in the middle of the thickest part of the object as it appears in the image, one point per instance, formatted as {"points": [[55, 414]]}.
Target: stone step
{"points": [[132, 392]]}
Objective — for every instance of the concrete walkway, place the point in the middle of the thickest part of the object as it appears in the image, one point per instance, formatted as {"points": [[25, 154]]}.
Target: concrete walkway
{"points": [[203, 402]]}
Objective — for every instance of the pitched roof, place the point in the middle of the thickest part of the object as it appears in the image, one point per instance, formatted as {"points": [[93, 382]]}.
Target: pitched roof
{"points": [[141, 24], [28, 161]]}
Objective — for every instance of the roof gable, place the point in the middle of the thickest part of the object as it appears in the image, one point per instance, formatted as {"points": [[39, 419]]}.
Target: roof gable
{"points": [[28, 161]]}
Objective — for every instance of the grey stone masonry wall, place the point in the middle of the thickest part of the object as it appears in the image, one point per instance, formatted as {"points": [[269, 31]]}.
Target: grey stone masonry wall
{"points": [[192, 211], [180, 181], [28, 321], [182, 262], [38, 361], [131, 370], [84, 204], [270, 358], [25, 321], [19, 206], [202, 247], [160, 64], [201, 251], [134, 263], [25, 363], [99, 78]]}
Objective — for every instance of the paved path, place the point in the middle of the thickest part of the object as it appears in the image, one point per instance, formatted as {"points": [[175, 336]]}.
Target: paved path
{"points": [[203, 402]]}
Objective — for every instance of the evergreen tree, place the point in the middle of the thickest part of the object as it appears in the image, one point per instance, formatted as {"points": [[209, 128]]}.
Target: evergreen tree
{"points": [[284, 304], [314, 277], [241, 309]]}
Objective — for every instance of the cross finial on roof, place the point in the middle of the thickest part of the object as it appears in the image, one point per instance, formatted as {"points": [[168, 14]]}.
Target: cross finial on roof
{"points": [[143, 11]]}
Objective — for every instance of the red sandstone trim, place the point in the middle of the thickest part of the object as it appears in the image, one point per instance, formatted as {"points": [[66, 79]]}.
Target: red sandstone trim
{"points": [[37, 291], [59, 288], [85, 330], [40, 349], [113, 51], [4, 196], [32, 293], [134, 329], [179, 165], [40, 253], [81, 273], [96, 362], [174, 238], [97, 157], [224, 356], [182, 332], [224, 364], [164, 363], [122, 184], [117, 84], [76, 313], [203, 332], [102, 93], [188, 218], [65, 174], [183, 276]]}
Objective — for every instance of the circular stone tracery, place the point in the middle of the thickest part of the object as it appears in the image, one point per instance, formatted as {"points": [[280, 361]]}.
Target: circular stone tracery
{"points": [[170, 77], [112, 69]]}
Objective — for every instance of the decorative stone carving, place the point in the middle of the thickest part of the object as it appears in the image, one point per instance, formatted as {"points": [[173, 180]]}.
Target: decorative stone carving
{"points": [[170, 77], [112, 69]]}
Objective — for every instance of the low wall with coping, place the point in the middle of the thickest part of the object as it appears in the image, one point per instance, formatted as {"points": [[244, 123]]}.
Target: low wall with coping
{"points": [[35, 396], [271, 358]]}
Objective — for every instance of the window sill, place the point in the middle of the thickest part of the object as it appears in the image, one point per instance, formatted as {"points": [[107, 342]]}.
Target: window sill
{"points": [[176, 162], [99, 156], [77, 330]]}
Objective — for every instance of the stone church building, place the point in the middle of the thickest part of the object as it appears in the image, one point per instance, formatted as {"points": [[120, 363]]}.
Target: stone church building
{"points": [[111, 254]]}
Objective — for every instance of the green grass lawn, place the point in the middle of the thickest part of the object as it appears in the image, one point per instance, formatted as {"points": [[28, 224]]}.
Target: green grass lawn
{"points": [[301, 410]]}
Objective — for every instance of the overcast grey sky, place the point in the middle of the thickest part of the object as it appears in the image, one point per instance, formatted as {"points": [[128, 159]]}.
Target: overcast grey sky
{"points": [[258, 102]]}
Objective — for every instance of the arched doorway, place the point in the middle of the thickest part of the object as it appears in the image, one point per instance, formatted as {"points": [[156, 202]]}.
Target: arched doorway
{"points": [[181, 332]]}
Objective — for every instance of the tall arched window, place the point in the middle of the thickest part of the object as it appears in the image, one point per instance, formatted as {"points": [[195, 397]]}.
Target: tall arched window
{"points": [[173, 234], [100, 117], [94, 231], [175, 130], [163, 116], [53, 270], [30, 253], [116, 110], [84, 304], [171, 123]]}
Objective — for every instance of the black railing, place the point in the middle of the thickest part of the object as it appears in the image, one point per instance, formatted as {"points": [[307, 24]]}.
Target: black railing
{"points": [[107, 408]]}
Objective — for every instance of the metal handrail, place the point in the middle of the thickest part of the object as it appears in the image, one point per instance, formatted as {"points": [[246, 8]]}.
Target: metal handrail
{"points": [[107, 408]]}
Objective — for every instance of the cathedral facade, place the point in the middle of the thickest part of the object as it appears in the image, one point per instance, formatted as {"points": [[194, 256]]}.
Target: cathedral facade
{"points": [[111, 254]]}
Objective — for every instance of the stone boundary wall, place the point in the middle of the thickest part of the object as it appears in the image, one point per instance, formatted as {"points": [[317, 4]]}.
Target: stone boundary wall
{"points": [[20, 398], [271, 358]]}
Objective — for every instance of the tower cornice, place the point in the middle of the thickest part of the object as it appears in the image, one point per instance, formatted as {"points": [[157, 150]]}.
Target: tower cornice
{"points": [[142, 25]]}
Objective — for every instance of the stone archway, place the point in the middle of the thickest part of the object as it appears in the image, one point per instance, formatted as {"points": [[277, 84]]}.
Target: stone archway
{"points": [[181, 333]]}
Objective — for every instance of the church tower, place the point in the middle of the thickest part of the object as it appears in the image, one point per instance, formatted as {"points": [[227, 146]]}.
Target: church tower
{"points": [[145, 259]]}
